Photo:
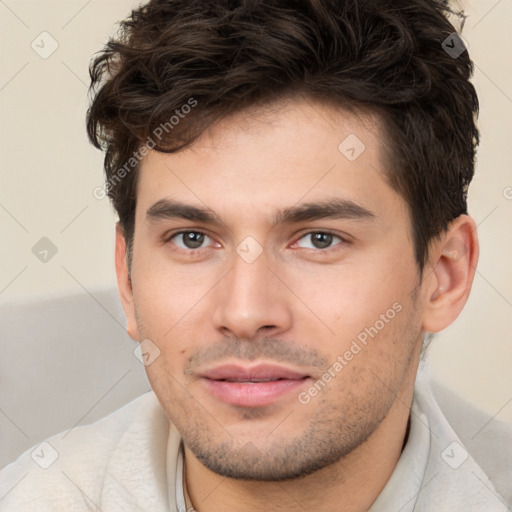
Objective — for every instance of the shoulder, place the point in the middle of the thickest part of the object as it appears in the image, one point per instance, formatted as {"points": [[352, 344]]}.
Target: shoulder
{"points": [[487, 439], [68, 470]]}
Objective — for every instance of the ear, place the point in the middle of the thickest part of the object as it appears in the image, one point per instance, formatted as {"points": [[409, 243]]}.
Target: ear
{"points": [[124, 284], [453, 260]]}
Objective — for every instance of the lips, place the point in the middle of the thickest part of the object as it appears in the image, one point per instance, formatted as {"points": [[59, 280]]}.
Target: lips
{"points": [[252, 386]]}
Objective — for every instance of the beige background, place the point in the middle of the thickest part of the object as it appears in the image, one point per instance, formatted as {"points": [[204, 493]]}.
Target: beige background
{"points": [[49, 172]]}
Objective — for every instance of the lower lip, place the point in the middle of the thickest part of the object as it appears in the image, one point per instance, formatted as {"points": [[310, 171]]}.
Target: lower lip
{"points": [[252, 394]]}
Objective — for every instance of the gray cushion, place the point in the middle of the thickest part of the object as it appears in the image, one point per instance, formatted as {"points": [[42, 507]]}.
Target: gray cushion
{"points": [[66, 360]]}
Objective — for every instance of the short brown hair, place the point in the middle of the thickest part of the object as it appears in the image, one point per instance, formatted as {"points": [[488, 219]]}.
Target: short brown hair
{"points": [[387, 56]]}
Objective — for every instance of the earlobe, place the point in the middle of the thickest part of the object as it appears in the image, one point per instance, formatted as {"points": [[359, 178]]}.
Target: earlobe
{"points": [[124, 283], [453, 261]]}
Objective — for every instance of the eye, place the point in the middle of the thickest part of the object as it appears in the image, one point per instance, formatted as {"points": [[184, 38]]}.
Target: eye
{"points": [[189, 240], [319, 240]]}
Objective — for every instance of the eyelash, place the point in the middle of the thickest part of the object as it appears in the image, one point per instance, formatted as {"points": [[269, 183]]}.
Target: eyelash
{"points": [[343, 241]]}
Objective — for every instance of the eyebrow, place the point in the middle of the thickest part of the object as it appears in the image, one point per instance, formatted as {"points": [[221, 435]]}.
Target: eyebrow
{"points": [[167, 209]]}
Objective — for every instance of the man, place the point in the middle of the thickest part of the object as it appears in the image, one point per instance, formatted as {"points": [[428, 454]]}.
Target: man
{"points": [[291, 183]]}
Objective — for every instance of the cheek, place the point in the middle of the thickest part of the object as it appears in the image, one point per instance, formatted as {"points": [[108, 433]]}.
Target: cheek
{"points": [[169, 312], [167, 294], [350, 297], [374, 358]]}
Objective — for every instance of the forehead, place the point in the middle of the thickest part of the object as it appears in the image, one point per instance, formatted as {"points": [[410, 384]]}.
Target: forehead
{"points": [[262, 161]]}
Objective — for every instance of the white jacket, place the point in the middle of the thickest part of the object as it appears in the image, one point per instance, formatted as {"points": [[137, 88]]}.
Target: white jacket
{"points": [[456, 459]]}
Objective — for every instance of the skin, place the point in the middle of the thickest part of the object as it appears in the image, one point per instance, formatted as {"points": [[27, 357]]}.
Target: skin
{"points": [[297, 304]]}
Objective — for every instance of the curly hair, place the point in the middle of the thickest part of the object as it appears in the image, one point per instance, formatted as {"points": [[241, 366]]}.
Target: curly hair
{"points": [[209, 59]]}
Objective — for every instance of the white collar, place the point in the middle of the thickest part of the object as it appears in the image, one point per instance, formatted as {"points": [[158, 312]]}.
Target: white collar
{"points": [[422, 479], [402, 488], [180, 488]]}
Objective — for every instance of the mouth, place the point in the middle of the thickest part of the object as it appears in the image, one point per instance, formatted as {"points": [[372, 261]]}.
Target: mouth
{"points": [[254, 386]]}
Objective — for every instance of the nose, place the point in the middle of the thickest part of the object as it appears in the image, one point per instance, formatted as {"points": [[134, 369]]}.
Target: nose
{"points": [[251, 301]]}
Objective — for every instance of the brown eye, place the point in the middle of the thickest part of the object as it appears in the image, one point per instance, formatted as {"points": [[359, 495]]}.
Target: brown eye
{"points": [[189, 239], [319, 240]]}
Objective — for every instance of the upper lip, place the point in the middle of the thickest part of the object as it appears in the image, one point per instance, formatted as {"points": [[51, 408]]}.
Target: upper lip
{"points": [[260, 372]]}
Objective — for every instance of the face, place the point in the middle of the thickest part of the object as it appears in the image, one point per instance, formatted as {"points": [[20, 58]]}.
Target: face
{"points": [[274, 277]]}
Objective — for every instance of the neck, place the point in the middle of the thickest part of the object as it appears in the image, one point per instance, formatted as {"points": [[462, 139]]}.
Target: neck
{"points": [[352, 484]]}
